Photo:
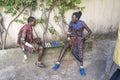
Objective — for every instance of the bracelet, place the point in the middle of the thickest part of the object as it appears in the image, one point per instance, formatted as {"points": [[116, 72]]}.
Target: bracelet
{"points": [[28, 44]]}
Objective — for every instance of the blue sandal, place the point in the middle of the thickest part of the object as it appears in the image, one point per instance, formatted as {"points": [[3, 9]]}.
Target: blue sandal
{"points": [[82, 71], [56, 66]]}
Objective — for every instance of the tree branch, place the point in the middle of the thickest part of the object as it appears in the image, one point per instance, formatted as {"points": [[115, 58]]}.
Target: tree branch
{"points": [[4, 43]]}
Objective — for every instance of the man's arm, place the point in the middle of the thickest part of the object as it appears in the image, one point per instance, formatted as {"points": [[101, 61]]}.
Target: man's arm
{"points": [[24, 34]]}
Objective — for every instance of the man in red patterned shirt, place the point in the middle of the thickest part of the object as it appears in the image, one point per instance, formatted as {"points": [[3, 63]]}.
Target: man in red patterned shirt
{"points": [[28, 44]]}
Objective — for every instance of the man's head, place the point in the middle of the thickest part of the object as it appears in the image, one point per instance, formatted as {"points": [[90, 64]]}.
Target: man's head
{"points": [[76, 16], [31, 21]]}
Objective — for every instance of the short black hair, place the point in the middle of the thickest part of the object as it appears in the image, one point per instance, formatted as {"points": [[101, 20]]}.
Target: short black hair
{"points": [[78, 14], [30, 19]]}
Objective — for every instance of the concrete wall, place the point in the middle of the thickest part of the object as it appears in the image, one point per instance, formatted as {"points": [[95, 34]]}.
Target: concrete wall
{"points": [[101, 16]]}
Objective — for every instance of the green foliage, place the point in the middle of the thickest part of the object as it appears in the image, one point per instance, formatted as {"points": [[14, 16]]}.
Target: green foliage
{"points": [[22, 21], [40, 20], [82, 8], [49, 2], [56, 18], [12, 6], [78, 1], [64, 5], [52, 30]]}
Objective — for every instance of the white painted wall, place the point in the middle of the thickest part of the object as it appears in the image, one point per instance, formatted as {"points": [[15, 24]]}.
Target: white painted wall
{"points": [[100, 15]]}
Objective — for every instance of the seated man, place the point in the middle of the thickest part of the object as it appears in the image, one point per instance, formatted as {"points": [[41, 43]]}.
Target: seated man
{"points": [[28, 44], [76, 40]]}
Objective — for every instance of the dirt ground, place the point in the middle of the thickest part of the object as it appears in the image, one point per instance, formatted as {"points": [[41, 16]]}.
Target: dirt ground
{"points": [[96, 62]]}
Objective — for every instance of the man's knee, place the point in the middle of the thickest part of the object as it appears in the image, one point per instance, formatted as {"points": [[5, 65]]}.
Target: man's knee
{"points": [[41, 48]]}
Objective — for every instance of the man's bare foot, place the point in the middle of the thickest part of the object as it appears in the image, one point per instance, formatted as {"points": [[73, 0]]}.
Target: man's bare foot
{"points": [[40, 64]]}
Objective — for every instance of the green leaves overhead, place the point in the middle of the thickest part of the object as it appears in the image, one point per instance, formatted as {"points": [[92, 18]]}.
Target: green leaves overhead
{"points": [[12, 6], [64, 5], [40, 20]]}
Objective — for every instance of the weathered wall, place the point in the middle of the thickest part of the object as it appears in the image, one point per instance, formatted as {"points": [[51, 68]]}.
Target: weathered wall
{"points": [[100, 15]]}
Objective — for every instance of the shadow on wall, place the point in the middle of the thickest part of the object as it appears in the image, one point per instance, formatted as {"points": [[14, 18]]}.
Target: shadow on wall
{"points": [[108, 35]]}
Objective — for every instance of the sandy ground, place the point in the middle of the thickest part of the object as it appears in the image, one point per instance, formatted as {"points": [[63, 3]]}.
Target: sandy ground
{"points": [[96, 62]]}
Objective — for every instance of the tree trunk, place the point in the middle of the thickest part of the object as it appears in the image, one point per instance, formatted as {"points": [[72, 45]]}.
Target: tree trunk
{"points": [[4, 43]]}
